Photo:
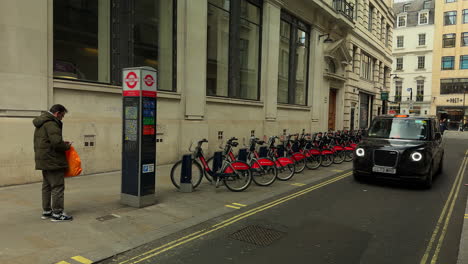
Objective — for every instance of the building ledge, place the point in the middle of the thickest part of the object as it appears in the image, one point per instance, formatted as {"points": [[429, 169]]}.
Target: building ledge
{"points": [[225, 100], [294, 107]]}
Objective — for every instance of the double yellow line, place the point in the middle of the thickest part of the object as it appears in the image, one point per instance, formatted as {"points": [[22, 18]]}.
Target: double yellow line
{"points": [[444, 218], [156, 251]]}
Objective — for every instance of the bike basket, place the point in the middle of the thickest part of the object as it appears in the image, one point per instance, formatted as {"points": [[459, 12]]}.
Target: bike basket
{"points": [[280, 150], [295, 147], [242, 156], [263, 152]]}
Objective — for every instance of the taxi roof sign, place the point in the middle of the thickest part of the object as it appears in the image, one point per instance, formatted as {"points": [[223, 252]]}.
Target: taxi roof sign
{"points": [[401, 115]]}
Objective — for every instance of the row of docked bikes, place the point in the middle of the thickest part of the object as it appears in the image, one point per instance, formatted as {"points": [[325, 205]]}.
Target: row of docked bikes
{"points": [[265, 162]]}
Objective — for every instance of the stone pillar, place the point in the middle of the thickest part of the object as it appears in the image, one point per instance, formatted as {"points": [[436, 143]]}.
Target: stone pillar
{"points": [[270, 57], [376, 72], [381, 75], [194, 68], [357, 62], [378, 28]]}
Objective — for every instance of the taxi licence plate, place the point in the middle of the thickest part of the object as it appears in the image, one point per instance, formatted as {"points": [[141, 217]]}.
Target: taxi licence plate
{"points": [[384, 169]]}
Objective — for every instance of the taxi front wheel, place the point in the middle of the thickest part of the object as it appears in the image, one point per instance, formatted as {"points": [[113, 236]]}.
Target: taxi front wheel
{"points": [[427, 184]]}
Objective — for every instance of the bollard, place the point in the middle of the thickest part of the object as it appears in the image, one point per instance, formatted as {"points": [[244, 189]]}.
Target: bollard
{"points": [[263, 152], [186, 174], [242, 156]]}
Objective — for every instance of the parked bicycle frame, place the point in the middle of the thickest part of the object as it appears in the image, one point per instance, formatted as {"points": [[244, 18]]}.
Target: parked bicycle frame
{"points": [[235, 175]]}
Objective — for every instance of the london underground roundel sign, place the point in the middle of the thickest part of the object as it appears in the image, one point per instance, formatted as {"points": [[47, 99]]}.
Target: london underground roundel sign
{"points": [[131, 80], [149, 80]]}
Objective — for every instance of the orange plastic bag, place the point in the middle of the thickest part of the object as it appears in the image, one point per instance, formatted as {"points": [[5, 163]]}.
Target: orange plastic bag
{"points": [[74, 163]]}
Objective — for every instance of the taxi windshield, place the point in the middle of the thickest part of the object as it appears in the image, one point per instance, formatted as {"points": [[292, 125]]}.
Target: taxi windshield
{"points": [[399, 128]]}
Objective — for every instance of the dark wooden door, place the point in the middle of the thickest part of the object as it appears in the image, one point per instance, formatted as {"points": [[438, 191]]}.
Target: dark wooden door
{"points": [[332, 110]]}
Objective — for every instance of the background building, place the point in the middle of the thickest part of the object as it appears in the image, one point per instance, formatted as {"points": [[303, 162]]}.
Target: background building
{"points": [[225, 68], [413, 40], [450, 65]]}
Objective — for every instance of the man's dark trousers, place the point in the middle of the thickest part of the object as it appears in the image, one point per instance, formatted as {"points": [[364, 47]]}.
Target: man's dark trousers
{"points": [[53, 187]]}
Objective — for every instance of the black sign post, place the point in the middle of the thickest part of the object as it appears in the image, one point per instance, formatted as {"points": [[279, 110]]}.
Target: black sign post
{"points": [[139, 136]]}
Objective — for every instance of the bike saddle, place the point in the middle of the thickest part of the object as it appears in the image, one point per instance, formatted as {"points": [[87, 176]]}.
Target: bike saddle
{"points": [[234, 144], [260, 142]]}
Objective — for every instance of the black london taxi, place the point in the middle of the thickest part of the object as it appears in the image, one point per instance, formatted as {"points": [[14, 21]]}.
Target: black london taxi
{"points": [[400, 147]]}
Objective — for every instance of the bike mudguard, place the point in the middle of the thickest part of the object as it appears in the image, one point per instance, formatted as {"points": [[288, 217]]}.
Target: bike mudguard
{"points": [[238, 165], [353, 145], [349, 148], [338, 148], [327, 152], [299, 156], [262, 162], [314, 152], [284, 161]]}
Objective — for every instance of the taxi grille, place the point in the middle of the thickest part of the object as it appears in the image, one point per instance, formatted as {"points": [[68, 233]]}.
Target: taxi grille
{"points": [[385, 158]]}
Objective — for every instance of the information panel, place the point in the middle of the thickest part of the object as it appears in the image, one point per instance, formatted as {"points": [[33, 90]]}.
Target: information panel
{"points": [[139, 136]]}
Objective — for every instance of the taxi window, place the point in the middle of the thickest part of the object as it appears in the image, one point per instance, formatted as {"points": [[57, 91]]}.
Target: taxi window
{"points": [[400, 128]]}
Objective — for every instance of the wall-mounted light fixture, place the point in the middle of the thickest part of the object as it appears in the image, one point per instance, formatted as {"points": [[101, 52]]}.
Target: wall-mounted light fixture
{"points": [[327, 39]]}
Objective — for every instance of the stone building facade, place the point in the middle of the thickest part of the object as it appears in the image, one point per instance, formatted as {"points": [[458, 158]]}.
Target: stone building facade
{"points": [[225, 68]]}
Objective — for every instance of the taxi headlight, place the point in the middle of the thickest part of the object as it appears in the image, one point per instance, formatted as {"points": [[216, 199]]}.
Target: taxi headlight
{"points": [[360, 152], [416, 156]]}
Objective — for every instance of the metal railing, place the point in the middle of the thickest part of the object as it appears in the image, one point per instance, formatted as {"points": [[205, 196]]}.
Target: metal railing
{"points": [[344, 7]]}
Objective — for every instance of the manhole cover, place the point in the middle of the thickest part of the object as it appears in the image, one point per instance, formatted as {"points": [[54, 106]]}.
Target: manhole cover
{"points": [[257, 235], [106, 217]]}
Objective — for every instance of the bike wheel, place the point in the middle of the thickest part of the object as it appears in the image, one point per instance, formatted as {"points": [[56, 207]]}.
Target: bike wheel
{"points": [[339, 157], [197, 174], [286, 172], [313, 162], [300, 165], [264, 176], [327, 160], [348, 155], [238, 180]]}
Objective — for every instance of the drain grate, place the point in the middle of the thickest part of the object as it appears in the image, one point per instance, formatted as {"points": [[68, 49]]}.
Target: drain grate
{"points": [[257, 235], [106, 217]]}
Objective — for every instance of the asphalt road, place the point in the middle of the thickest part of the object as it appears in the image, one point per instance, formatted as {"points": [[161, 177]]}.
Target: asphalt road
{"points": [[338, 221]]}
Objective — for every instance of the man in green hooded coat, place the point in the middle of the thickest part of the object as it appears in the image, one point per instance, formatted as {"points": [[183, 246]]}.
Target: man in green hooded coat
{"points": [[49, 152]]}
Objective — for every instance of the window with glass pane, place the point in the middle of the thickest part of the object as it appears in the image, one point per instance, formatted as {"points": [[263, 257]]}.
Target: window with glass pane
{"points": [[464, 62], [422, 39], [82, 40], [448, 40], [400, 41], [366, 67], [398, 89], [427, 4], [283, 70], [420, 90], [153, 39], [423, 18], [450, 1], [402, 21], [293, 61], [399, 63], [387, 33], [465, 16], [448, 62], [450, 18], [406, 8], [218, 49], [464, 39], [371, 18], [421, 62], [249, 51], [233, 49]]}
